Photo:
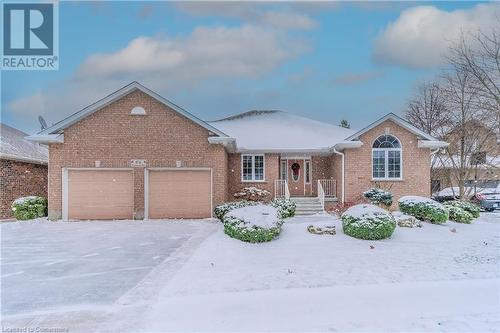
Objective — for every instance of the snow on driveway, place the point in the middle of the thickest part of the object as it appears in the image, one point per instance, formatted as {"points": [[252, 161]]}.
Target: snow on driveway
{"points": [[439, 277], [55, 266]]}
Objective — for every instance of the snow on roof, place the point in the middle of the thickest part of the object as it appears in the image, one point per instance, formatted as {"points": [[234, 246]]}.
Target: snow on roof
{"points": [[279, 130], [14, 146]]}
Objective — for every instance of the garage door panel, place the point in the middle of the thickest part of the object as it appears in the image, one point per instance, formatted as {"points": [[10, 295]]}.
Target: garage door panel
{"points": [[180, 194], [100, 194]]}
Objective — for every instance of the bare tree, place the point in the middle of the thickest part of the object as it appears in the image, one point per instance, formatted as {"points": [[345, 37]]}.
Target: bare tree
{"points": [[479, 55], [427, 109], [462, 99], [462, 107]]}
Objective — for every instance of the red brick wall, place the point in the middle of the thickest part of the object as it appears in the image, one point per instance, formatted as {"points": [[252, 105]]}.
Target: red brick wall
{"points": [[322, 168], [114, 137], [234, 174], [20, 179], [416, 165]]}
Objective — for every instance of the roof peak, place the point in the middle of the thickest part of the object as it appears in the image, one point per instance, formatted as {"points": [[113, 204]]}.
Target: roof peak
{"points": [[250, 113]]}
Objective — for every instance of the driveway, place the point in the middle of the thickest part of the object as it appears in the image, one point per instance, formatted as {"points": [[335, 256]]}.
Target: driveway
{"points": [[49, 267]]}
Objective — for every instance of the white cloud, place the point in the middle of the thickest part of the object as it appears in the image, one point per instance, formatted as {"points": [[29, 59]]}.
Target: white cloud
{"points": [[246, 51], [166, 65], [287, 18], [421, 35]]}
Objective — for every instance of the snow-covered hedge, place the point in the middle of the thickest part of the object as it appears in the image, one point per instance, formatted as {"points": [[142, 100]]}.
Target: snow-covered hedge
{"points": [[222, 209], [286, 207], [28, 208], [460, 215], [253, 224], [424, 209], [468, 206], [252, 193], [367, 221], [378, 196]]}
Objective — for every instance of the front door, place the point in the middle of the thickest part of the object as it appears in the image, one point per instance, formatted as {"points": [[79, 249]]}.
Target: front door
{"points": [[299, 182]]}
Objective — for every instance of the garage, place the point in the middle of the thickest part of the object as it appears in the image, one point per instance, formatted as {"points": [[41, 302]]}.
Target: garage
{"points": [[179, 193], [100, 194]]}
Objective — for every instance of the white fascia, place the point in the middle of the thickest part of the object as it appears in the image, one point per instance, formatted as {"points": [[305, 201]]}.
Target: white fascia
{"points": [[46, 138], [347, 144], [23, 159], [315, 151], [227, 142]]}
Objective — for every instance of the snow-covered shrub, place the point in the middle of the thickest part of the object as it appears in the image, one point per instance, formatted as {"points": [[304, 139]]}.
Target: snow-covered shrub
{"points": [[222, 209], [252, 193], [378, 196], [286, 207], [468, 206], [406, 221], [367, 221], [28, 208], [424, 209], [460, 215], [253, 224]]}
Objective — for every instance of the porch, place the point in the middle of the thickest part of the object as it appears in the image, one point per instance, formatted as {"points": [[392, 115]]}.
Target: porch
{"points": [[308, 205]]}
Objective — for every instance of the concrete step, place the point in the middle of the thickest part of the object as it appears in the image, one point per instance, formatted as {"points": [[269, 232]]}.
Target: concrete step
{"points": [[307, 213]]}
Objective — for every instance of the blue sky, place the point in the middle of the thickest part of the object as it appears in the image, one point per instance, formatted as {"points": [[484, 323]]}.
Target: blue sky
{"points": [[326, 61]]}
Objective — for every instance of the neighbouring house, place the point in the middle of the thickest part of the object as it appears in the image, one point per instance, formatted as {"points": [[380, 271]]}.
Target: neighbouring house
{"points": [[23, 168], [134, 154], [478, 167]]}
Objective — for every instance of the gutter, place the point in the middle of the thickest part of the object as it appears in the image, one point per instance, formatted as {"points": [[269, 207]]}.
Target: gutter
{"points": [[23, 159], [46, 138]]}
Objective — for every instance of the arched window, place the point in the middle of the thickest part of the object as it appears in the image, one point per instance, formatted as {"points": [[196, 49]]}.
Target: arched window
{"points": [[386, 158]]}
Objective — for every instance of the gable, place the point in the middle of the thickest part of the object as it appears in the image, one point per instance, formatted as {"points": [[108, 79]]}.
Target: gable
{"points": [[59, 127], [424, 140], [115, 125], [389, 127]]}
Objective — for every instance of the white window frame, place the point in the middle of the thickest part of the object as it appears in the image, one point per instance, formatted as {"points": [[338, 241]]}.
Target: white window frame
{"points": [[253, 180], [386, 161]]}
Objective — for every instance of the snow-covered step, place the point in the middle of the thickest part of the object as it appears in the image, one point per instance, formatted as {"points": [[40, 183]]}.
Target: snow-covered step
{"points": [[307, 205]]}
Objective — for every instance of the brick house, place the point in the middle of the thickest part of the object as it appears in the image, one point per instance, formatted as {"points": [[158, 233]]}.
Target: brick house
{"points": [[134, 154], [23, 168]]}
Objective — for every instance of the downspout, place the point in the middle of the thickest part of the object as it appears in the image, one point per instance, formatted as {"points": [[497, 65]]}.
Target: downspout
{"points": [[432, 153], [343, 173]]}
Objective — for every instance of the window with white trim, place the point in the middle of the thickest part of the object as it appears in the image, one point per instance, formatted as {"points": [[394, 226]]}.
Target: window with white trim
{"points": [[386, 158], [252, 167]]}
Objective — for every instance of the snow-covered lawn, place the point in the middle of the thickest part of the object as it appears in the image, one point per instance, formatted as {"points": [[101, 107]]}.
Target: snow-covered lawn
{"points": [[438, 277]]}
